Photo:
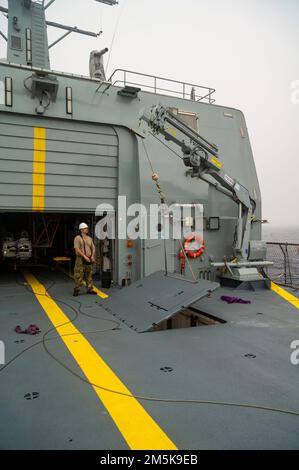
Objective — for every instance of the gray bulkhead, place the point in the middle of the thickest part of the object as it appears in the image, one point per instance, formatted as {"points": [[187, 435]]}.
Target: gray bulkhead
{"points": [[93, 155]]}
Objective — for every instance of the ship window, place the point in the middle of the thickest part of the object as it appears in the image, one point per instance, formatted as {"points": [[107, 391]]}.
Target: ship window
{"points": [[189, 118], [16, 43]]}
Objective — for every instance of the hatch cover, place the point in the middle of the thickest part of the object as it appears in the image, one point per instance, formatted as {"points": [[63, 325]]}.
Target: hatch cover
{"points": [[154, 299]]}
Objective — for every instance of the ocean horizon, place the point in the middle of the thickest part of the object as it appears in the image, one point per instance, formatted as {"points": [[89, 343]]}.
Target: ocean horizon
{"points": [[280, 234]]}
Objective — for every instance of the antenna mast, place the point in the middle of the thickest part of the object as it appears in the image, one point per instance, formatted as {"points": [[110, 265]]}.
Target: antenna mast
{"points": [[27, 41]]}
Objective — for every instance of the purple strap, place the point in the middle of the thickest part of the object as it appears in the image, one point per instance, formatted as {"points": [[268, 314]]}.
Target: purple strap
{"points": [[234, 300], [31, 330]]}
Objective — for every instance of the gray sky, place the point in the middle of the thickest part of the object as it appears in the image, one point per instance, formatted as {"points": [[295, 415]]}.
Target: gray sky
{"points": [[246, 49]]}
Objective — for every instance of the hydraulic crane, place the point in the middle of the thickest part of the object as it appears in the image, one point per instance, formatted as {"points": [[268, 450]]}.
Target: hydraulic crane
{"points": [[202, 157]]}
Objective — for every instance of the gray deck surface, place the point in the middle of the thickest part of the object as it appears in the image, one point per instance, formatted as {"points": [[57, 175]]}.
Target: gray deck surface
{"points": [[208, 363]]}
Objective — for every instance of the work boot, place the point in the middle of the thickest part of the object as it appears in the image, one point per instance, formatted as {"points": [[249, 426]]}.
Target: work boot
{"points": [[75, 293], [91, 292]]}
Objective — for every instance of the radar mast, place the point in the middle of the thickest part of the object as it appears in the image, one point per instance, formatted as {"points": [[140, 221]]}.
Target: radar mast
{"points": [[27, 41]]}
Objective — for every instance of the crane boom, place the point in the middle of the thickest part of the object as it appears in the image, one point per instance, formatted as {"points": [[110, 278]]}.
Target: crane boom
{"points": [[202, 157]]}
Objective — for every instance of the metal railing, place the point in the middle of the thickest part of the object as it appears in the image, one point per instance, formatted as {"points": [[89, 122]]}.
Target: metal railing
{"points": [[285, 257], [162, 86]]}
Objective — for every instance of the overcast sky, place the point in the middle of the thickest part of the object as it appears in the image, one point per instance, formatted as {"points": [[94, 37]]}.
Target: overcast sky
{"points": [[247, 49]]}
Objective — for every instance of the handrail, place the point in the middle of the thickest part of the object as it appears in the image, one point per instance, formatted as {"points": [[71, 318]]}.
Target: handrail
{"points": [[285, 270], [283, 243], [185, 91]]}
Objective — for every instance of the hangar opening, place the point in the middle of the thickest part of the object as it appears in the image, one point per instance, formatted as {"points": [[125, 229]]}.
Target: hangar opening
{"points": [[28, 239], [54, 174]]}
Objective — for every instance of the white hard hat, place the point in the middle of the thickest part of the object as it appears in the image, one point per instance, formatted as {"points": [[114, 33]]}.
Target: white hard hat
{"points": [[83, 225]]}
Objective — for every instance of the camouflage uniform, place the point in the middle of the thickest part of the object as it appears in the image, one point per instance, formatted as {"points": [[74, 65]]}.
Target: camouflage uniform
{"points": [[82, 272]]}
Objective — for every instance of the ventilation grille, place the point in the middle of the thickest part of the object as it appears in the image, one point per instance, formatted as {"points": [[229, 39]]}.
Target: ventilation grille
{"points": [[16, 43]]}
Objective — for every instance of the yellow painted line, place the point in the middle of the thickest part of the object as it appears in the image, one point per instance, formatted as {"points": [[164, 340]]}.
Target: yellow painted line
{"points": [[39, 168], [98, 291], [137, 427], [285, 295]]}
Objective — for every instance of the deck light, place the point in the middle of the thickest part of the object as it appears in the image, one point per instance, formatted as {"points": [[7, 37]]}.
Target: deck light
{"points": [[28, 46], [129, 243], [69, 100], [8, 91]]}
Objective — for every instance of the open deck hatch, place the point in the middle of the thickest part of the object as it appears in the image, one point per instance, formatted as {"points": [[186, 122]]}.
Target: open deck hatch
{"points": [[158, 297]]}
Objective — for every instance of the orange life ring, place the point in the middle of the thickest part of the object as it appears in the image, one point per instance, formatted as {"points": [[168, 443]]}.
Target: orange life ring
{"points": [[191, 253]]}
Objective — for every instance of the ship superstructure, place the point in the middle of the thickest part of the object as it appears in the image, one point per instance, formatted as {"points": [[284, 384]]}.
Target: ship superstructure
{"points": [[70, 143], [197, 350]]}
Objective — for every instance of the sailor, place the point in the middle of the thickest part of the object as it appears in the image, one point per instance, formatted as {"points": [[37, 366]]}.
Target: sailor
{"points": [[85, 257]]}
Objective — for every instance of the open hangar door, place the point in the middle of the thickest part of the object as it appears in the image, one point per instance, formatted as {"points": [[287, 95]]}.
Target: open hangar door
{"points": [[53, 175], [61, 167], [29, 239]]}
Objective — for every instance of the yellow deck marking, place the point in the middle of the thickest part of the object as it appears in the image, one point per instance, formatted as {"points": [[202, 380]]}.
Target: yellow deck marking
{"points": [[284, 294], [98, 291], [137, 427], [39, 168]]}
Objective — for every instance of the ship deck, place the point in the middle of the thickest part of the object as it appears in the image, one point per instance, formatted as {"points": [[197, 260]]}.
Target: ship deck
{"points": [[244, 361]]}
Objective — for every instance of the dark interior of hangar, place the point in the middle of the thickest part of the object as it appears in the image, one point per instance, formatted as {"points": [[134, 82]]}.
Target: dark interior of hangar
{"points": [[48, 239]]}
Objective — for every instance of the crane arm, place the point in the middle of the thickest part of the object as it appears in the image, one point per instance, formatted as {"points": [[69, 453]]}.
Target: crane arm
{"points": [[202, 156]]}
